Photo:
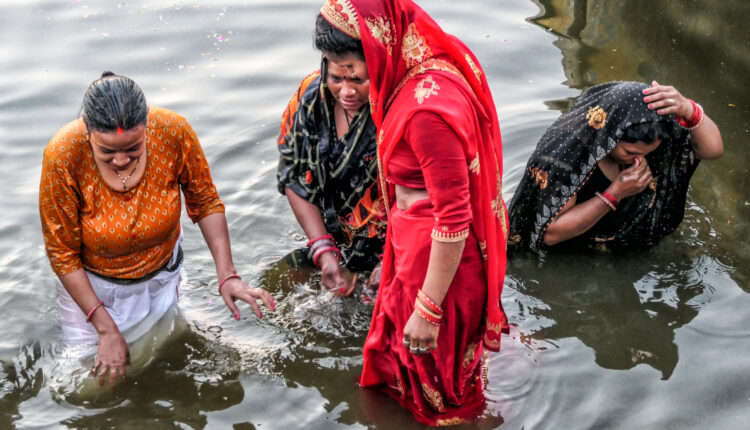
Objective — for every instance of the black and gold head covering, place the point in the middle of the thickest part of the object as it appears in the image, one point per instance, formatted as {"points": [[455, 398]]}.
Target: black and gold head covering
{"points": [[568, 152]]}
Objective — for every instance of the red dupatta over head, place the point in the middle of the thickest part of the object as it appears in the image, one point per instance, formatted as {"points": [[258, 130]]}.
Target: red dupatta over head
{"points": [[402, 45]]}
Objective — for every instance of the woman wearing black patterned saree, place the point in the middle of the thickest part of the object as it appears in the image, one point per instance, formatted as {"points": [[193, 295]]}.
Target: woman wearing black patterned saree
{"points": [[613, 172], [328, 163]]}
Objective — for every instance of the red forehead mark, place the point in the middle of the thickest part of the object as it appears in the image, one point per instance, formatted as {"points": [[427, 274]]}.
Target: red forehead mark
{"points": [[119, 130]]}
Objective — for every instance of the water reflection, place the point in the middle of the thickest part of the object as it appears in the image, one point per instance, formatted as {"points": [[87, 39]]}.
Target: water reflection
{"points": [[703, 49], [625, 308]]}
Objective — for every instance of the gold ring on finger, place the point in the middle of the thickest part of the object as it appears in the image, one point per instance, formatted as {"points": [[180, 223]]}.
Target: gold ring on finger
{"points": [[670, 101]]}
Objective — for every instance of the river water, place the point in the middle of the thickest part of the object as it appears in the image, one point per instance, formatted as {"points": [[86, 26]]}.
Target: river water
{"points": [[658, 340]]}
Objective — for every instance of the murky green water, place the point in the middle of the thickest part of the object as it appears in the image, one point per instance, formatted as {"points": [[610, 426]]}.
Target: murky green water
{"points": [[653, 341]]}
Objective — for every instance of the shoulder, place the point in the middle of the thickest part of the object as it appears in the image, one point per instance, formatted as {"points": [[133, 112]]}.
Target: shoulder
{"points": [[309, 79], [165, 118], [308, 88], [68, 143], [436, 90]]}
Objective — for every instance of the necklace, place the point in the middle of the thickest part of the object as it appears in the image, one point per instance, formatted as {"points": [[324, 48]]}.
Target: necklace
{"points": [[348, 119], [125, 179]]}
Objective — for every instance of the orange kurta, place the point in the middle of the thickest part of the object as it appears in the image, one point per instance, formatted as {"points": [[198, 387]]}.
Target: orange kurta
{"points": [[122, 234]]}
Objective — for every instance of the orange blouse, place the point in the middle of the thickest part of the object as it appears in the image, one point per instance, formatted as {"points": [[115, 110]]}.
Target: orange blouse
{"points": [[122, 234]]}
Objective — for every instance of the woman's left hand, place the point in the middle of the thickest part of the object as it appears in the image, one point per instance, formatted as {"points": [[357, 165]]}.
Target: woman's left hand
{"points": [[667, 100], [234, 289], [420, 336]]}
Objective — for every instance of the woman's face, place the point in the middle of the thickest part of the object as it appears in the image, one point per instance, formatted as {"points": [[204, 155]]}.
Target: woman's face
{"points": [[626, 152], [348, 81], [120, 150]]}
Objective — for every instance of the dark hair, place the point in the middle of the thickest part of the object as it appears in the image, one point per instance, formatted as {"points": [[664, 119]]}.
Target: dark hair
{"points": [[648, 131], [331, 40], [113, 101]]}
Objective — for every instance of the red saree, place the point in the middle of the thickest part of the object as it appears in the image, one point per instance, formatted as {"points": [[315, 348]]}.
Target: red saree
{"points": [[414, 66]]}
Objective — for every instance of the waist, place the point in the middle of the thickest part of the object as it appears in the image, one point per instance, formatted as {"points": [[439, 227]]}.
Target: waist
{"points": [[171, 265], [407, 196]]}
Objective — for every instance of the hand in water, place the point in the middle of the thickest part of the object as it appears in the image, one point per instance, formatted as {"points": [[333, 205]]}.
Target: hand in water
{"points": [[112, 356], [235, 289], [336, 279]]}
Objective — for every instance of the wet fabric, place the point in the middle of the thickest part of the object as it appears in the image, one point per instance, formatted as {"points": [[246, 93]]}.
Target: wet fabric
{"points": [[414, 66], [122, 234], [339, 176], [134, 308], [567, 155]]}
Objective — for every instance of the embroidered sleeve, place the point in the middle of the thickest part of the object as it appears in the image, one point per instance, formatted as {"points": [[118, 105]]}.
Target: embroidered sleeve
{"points": [[446, 174], [58, 210], [201, 197]]}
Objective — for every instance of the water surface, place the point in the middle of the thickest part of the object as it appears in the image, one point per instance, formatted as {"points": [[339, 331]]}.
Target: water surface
{"points": [[656, 340]]}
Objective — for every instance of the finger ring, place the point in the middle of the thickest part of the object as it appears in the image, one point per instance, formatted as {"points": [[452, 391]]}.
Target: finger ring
{"points": [[413, 349], [423, 350], [406, 341], [670, 101]]}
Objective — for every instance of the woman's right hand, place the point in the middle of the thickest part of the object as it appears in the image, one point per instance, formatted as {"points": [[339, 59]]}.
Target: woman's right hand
{"points": [[112, 356], [632, 180], [331, 275]]}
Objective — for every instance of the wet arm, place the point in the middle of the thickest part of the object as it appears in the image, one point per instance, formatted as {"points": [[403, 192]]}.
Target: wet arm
{"points": [[307, 214], [706, 140], [78, 286], [444, 260], [574, 220], [215, 232]]}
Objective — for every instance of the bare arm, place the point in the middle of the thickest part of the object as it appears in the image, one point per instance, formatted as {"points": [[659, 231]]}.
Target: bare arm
{"points": [[215, 232], [575, 219], [309, 218], [112, 351], [707, 141]]}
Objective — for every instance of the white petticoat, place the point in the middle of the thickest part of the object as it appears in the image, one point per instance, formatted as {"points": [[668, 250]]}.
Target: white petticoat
{"points": [[134, 308]]}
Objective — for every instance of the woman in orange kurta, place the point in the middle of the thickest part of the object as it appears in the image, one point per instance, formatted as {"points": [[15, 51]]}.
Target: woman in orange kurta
{"points": [[110, 205]]}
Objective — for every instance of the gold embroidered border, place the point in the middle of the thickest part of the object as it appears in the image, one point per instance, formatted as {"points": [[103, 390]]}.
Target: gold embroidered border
{"points": [[382, 30], [381, 178], [431, 64], [414, 49], [469, 356], [433, 397], [342, 15], [450, 237], [474, 67], [445, 422], [483, 248], [474, 166]]}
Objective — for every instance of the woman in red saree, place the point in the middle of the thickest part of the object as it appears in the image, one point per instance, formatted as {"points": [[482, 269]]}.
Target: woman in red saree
{"points": [[440, 169]]}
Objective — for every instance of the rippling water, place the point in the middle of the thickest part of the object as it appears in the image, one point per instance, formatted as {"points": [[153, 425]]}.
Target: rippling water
{"points": [[656, 340]]}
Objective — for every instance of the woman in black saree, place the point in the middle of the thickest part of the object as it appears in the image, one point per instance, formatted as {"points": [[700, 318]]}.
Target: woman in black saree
{"points": [[612, 172], [328, 165]]}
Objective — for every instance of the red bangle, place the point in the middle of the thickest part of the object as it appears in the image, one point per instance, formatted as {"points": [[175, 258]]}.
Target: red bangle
{"points": [[429, 318], [421, 296], [322, 251], [694, 119], [91, 312], [232, 276], [605, 200], [611, 198], [311, 241]]}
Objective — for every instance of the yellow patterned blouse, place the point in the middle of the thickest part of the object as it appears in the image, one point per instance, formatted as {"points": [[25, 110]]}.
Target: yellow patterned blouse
{"points": [[122, 234]]}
